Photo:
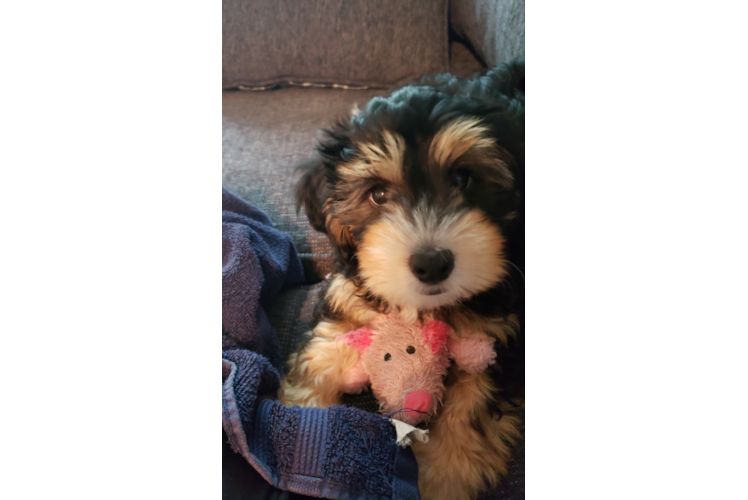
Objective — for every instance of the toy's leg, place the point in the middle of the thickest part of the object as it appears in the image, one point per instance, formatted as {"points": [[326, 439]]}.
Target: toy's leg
{"points": [[466, 447], [315, 376]]}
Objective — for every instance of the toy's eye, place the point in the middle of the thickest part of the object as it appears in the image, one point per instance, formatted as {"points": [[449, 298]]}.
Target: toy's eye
{"points": [[410, 349], [387, 356], [378, 196], [461, 179]]}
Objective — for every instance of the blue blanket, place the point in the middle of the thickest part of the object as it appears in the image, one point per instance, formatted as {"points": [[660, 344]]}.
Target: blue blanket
{"points": [[337, 452]]}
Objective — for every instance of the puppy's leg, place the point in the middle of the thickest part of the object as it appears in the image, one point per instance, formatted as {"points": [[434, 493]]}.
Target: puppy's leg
{"points": [[466, 447], [315, 377]]}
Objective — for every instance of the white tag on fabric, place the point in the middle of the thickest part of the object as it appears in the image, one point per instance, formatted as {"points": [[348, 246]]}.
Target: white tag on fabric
{"points": [[406, 431]]}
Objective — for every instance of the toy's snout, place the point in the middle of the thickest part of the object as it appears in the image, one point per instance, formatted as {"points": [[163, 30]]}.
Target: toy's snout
{"points": [[417, 403]]}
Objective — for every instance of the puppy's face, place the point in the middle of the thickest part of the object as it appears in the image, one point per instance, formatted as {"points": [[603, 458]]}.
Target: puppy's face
{"points": [[415, 203]]}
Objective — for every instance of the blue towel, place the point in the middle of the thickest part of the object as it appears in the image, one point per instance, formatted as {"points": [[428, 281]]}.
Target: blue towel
{"points": [[336, 452]]}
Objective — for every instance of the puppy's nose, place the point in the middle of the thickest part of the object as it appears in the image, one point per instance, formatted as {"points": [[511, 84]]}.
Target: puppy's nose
{"points": [[432, 265]]}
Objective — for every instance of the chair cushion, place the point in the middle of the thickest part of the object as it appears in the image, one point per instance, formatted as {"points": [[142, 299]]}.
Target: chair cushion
{"points": [[344, 42]]}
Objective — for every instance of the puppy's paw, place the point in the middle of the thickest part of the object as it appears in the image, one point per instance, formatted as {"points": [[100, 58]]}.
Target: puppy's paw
{"points": [[472, 353]]}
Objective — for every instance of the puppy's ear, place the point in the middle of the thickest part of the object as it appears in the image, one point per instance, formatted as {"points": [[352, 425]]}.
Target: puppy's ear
{"points": [[318, 174], [313, 191], [316, 187]]}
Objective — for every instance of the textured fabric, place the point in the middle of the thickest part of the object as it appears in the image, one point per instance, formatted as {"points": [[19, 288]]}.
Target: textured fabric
{"points": [[242, 482], [291, 315], [265, 135], [495, 28], [338, 452], [354, 42], [258, 262]]}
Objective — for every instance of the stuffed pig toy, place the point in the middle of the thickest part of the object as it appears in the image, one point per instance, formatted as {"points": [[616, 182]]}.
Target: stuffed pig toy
{"points": [[405, 364]]}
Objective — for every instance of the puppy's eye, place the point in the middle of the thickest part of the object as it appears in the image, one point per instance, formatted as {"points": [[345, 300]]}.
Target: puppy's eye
{"points": [[378, 196], [387, 356], [461, 179], [410, 349]]}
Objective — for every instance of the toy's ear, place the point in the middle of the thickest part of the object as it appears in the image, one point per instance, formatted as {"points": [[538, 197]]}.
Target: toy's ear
{"points": [[435, 333], [358, 339], [356, 378], [472, 353]]}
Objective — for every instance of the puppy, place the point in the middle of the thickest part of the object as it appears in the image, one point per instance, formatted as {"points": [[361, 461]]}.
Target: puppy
{"points": [[421, 196]]}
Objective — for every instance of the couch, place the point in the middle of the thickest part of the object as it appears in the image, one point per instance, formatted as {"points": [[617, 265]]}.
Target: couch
{"points": [[290, 67]]}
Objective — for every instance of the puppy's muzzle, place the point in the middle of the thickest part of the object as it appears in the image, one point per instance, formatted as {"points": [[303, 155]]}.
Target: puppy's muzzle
{"points": [[432, 265]]}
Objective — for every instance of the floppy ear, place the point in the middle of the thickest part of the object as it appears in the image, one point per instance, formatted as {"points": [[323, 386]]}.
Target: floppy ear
{"points": [[313, 191]]}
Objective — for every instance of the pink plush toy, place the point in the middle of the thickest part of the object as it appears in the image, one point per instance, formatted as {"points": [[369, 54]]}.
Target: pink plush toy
{"points": [[406, 364]]}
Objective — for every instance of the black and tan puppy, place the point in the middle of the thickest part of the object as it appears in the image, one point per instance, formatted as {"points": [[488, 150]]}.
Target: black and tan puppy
{"points": [[421, 195]]}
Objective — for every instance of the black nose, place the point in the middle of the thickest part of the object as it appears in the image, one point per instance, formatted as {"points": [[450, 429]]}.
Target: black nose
{"points": [[432, 265]]}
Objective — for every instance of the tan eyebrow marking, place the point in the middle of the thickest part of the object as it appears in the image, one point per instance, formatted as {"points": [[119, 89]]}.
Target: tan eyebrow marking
{"points": [[384, 161], [457, 138]]}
